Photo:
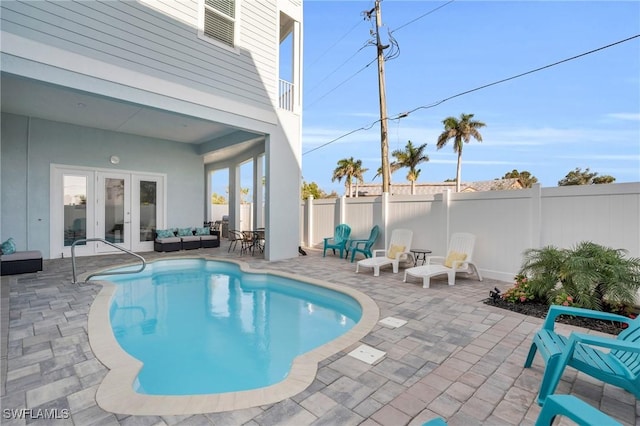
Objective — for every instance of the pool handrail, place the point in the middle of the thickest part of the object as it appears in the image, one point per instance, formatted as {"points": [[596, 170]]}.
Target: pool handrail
{"points": [[102, 240]]}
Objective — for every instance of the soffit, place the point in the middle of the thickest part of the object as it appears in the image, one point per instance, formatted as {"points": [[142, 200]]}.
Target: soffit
{"points": [[36, 99]]}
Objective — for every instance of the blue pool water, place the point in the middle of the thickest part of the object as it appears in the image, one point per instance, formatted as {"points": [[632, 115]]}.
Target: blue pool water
{"points": [[202, 326]]}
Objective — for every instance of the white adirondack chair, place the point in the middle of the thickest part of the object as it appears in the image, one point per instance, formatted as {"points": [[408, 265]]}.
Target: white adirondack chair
{"points": [[459, 259], [398, 249]]}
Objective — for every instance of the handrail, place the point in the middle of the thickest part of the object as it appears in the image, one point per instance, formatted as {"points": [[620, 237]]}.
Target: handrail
{"points": [[102, 240]]}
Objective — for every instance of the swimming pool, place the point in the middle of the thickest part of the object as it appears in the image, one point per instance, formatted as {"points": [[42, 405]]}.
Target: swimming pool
{"points": [[200, 335]]}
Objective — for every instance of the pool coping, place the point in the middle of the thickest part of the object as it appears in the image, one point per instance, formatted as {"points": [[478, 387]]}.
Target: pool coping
{"points": [[115, 393]]}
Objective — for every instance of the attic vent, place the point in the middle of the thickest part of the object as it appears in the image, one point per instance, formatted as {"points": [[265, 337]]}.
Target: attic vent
{"points": [[219, 20]]}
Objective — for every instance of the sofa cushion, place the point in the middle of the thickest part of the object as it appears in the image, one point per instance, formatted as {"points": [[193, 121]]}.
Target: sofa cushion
{"points": [[184, 232], [21, 255], [202, 231], [191, 238], [168, 240], [165, 233], [209, 237]]}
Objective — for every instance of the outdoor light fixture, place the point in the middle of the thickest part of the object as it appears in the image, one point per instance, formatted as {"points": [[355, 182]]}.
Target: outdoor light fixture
{"points": [[114, 159]]}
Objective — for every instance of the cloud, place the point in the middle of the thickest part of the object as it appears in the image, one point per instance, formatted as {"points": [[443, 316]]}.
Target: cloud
{"points": [[630, 116]]}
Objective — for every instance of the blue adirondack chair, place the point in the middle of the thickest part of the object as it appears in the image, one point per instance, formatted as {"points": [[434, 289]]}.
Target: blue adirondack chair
{"points": [[363, 246], [560, 405], [619, 367], [338, 241]]}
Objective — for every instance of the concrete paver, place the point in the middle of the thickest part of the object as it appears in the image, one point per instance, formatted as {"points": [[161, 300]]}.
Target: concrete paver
{"points": [[456, 357]]}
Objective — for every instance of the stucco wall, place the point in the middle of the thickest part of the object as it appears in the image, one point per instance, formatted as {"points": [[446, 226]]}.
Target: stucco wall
{"points": [[30, 146]]}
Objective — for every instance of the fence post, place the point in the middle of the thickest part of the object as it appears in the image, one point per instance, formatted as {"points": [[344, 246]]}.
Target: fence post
{"points": [[342, 209], [310, 221], [384, 205], [535, 236], [446, 213]]}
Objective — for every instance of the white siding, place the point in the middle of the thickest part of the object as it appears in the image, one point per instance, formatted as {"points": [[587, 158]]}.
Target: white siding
{"points": [[161, 41]]}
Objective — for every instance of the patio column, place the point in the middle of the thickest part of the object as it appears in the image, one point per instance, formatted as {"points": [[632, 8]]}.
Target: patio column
{"points": [[234, 197], [258, 192]]}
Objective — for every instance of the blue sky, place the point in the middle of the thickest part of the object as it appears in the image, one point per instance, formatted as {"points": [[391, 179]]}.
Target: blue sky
{"points": [[582, 113]]}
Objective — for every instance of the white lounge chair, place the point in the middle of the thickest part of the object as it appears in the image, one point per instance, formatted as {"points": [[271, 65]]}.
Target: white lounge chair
{"points": [[459, 259], [398, 249]]}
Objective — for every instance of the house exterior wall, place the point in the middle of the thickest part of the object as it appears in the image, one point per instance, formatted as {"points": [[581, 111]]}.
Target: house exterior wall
{"points": [[147, 43], [29, 146], [148, 53], [506, 223]]}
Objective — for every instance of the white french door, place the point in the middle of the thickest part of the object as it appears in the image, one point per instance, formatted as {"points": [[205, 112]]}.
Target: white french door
{"points": [[113, 218], [121, 207], [147, 210]]}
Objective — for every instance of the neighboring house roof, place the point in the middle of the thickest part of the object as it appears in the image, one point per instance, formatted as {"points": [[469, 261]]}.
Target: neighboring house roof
{"points": [[375, 189]]}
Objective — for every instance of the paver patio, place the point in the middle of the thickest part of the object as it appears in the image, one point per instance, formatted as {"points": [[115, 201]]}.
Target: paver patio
{"points": [[455, 357]]}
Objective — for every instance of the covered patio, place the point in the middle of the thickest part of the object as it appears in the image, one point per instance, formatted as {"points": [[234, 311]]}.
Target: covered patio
{"points": [[456, 357]]}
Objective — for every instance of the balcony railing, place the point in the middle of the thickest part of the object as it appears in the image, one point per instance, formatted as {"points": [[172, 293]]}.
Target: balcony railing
{"points": [[285, 95]]}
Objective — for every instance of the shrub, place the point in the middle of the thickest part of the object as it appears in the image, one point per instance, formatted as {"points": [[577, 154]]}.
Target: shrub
{"points": [[520, 292], [593, 276]]}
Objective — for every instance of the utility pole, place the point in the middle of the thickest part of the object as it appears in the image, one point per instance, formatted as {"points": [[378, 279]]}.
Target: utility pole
{"points": [[384, 143]]}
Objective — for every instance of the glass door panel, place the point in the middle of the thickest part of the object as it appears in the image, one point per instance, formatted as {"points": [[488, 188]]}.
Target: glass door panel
{"points": [[72, 214], [75, 209], [114, 210], [114, 215], [148, 209]]}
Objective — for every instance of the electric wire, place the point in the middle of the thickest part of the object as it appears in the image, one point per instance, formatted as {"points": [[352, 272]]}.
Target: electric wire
{"points": [[466, 92], [334, 44], [338, 86], [423, 15], [336, 70]]}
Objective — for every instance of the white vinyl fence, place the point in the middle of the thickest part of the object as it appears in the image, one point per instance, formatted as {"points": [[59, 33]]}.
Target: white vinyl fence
{"points": [[506, 223]]}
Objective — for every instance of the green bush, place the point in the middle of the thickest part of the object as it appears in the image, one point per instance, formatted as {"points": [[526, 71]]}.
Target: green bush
{"points": [[589, 275]]}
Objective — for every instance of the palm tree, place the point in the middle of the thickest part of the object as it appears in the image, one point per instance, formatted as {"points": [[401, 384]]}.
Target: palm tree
{"points": [[460, 130], [349, 168], [358, 172], [410, 157]]}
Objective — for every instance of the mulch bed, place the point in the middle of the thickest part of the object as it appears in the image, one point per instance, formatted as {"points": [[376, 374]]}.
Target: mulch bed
{"points": [[539, 310]]}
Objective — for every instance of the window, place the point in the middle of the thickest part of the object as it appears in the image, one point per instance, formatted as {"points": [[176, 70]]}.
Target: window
{"points": [[219, 20]]}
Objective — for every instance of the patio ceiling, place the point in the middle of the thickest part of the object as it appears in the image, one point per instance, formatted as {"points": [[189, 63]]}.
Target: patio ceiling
{"points": [[56, 103]]}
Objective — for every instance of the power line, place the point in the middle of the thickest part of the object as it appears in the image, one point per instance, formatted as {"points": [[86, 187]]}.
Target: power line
{"points": [[434, 104], [335, 70], [392, 54], [343, 82], [334, 44], [423, 15], [516, 76]]}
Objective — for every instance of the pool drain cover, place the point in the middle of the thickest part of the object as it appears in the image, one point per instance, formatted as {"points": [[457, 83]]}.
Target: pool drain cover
{"points": [[367, 354]]}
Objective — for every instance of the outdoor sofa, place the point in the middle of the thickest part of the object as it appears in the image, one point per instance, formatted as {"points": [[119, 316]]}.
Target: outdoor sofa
{"points": [[168, 240], [21, 262]]}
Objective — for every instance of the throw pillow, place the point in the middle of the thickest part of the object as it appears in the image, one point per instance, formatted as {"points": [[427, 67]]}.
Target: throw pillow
{"points": [[165, 233], [9, 246], [394, 250], [452, 257], [185, 232], [202, 231]]}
